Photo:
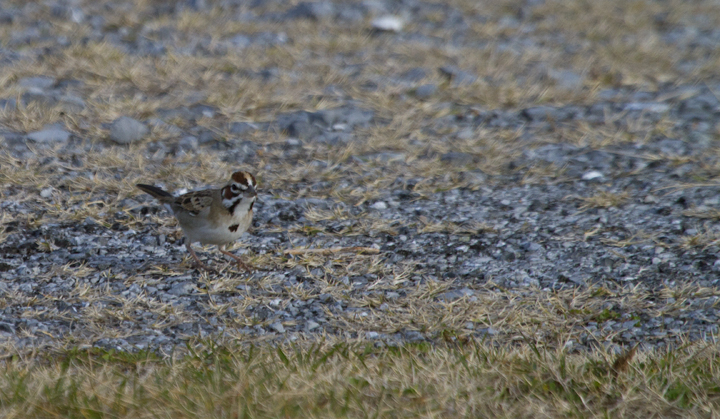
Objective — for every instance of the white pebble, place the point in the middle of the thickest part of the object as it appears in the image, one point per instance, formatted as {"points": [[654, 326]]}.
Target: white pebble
{"points": [[593, 174], [46, 193], [388, 23]]}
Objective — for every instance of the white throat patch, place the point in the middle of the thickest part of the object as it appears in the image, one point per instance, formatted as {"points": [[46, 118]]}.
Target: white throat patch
{"points": [[238, 205]]}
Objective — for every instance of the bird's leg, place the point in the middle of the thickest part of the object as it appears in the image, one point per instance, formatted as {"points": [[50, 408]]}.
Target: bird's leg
{"points": [[240, 262], [195, 256]]}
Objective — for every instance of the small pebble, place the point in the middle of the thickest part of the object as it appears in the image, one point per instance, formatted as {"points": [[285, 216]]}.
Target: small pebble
{"points": [[388, 23], [126, 130], [594, 174]]}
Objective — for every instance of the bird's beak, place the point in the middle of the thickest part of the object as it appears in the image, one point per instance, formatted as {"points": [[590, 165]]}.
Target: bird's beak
{"points": [[251, 191]]}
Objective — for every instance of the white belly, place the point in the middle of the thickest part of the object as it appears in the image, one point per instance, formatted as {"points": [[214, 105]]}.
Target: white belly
{"points": [[213, 235], [218, 233]]}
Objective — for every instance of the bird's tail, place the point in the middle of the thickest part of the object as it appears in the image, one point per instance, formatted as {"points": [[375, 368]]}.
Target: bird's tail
{"points": [[157, 193]]}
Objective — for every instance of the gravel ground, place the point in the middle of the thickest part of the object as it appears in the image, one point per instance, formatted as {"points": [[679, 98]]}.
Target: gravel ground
{"points": [[582, 218]]}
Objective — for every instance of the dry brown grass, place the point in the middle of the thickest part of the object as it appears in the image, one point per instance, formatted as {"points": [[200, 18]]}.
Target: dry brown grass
{"points": [[340, 380], [702, 239], [604, 199]]}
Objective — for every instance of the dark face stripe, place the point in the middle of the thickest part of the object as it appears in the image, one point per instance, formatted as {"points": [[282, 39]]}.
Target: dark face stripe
{"points": [[231, 208], [242, 181]]}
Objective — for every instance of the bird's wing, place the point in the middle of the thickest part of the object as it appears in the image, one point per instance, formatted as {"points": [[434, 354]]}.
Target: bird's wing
{"points": [[194, 202]]}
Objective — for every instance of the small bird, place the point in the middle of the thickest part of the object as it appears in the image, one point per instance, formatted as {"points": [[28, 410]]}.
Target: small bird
{"points": [[213, 216]]}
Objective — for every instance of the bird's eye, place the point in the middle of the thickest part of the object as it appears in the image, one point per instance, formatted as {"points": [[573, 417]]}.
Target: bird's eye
{"points": [[233, 188]]}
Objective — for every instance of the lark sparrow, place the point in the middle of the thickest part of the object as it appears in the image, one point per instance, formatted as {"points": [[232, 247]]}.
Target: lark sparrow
{"points": [[213, 216]]}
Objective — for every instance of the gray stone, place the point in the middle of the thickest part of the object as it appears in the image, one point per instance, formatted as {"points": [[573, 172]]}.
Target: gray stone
{"points": [[182, 288], [246, 149], [72, 103], [195, 5], [425, 91], [375, 7], [383, 157], [240, 41], [302, 125], [8, 104], [7, 327], [414, 74], [453, 295], [653, 107], [311, 10], [35, 95], [489, 331], [239, 128], [350, 14], [466, 134], [188, 142], [414, 336], [25, 36], [567, 79], [539, 113], [608, 94], [457, 158], [269, 39], [359, 117], [6, 18], [303, 130], [457, 76], [54, 133], [205, 136], [285, 120], [125, 130], [203, 111], [629, 324], [39, 82], [334, 138]]}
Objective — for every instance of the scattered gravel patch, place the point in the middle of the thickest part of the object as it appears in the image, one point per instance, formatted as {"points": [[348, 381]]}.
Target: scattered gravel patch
{"points": [[447, 200]]}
